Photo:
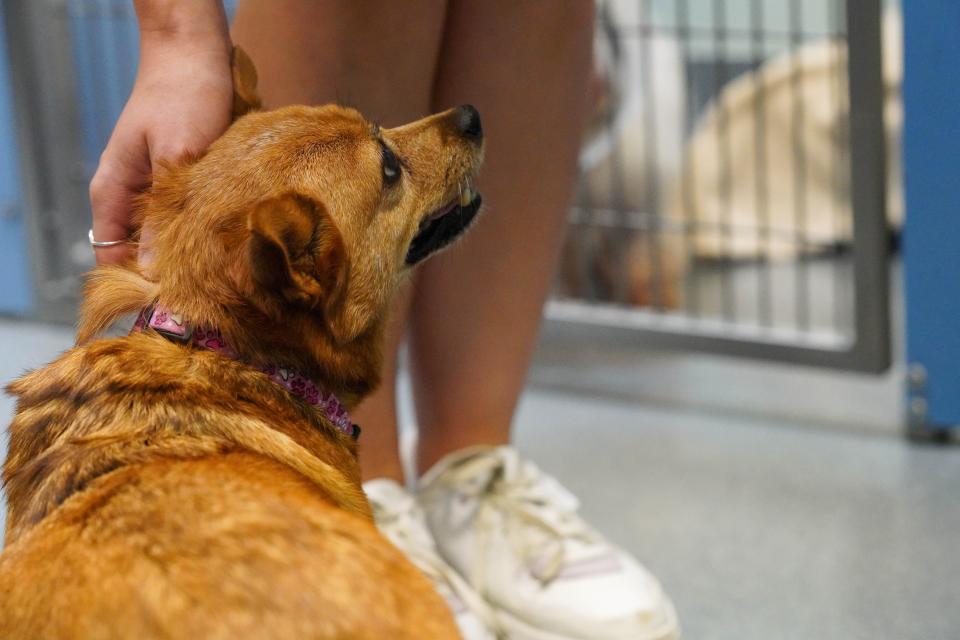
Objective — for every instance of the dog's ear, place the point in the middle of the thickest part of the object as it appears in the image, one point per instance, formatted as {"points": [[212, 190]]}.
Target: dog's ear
{"points": [[297, 253], [245, 96]]}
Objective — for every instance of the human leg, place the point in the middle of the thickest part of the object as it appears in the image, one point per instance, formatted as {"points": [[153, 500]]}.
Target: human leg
{"points": [[477, 307]]}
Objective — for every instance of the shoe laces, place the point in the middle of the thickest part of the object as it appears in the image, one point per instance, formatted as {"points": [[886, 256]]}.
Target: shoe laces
{"points": [[539, 515], [402, 521]]}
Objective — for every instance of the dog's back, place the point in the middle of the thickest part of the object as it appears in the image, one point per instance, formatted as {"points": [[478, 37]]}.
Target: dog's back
{"points": [[190, 504]]}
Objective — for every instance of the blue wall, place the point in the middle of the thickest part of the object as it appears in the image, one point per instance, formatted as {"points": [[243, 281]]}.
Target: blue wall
{"points": [[932, 232], [15, 289]]}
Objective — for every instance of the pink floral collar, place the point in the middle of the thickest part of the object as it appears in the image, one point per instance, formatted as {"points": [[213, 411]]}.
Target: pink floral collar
{"points": [[173, 327]]}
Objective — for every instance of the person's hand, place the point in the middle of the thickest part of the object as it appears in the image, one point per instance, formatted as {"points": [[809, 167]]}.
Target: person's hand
{"points": [[181, 102]]}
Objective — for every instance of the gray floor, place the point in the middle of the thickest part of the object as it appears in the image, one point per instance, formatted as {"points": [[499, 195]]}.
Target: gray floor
{"points": [[761, 531], [798, 518]]}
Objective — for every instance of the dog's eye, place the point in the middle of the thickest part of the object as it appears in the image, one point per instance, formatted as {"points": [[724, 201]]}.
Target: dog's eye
{"points": [[391, 165]]}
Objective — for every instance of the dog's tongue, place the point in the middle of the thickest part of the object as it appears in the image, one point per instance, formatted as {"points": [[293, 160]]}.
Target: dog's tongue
{"points": [[441, 212], [436, 215]]}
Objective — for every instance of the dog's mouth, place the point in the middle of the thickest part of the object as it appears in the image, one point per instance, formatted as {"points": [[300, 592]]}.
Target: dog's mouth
{"points": [[444, 225]]}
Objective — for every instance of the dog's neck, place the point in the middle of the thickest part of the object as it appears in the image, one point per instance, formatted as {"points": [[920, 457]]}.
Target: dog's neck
{"points": [[302, 341], [174, 327], [297, 339]]}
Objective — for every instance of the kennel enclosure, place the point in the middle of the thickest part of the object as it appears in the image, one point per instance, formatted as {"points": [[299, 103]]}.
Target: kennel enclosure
{"points": [[713, 168]]}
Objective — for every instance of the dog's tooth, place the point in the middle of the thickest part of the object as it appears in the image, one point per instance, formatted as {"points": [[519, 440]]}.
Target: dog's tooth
{"points": [[466, 195]]}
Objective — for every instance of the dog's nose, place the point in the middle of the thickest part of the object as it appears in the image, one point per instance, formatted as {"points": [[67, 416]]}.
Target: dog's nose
{"points": [[467, 119]]}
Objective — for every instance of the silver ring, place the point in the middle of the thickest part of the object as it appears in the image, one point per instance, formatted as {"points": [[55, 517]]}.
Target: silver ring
{"points": [[103, 245]]}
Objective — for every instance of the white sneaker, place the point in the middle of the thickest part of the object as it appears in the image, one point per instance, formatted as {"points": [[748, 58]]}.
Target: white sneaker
{"points": [[400, 518], [514, 534]]}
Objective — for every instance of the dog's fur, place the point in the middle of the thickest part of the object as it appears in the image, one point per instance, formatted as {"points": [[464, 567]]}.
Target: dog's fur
{"points": [[160, 491]]}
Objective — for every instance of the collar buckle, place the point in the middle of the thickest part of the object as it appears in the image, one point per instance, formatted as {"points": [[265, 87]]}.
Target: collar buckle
{"points": [[170, 325]]}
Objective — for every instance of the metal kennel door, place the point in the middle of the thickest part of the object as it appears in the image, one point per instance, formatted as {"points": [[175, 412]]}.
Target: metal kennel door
{"points": [[858, 341]]}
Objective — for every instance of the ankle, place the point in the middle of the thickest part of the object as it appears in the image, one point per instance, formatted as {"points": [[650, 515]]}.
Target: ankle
{"points": [[429, 454]]}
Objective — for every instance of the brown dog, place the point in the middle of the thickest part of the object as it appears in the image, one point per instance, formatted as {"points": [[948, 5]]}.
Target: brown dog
{"points": [[161, 490]]}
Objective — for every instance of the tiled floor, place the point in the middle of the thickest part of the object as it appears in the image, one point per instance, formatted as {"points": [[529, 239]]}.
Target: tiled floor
{"points": [[811, 526]]}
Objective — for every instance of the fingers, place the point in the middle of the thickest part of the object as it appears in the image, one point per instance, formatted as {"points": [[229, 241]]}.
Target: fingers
{"points": [[179, 105], [112, 194]]}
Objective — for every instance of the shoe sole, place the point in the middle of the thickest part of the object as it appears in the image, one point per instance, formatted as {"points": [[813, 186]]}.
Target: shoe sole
{"points": [[516, 629]]}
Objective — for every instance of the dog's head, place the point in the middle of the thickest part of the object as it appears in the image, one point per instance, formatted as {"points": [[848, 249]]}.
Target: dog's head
{"points": [[292, 231]]}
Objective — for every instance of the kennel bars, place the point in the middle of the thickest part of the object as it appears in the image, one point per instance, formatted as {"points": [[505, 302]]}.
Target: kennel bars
{"points": [[856, 333]]}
